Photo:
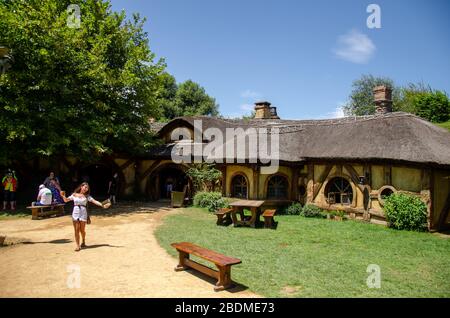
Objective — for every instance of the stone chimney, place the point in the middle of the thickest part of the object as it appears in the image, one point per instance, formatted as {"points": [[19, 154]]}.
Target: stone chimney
{"points": [[263, 110], [273, 113], [382, 96]]}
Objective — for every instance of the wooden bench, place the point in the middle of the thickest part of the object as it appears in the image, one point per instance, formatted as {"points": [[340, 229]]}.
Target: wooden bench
{"points": [[224, 216], [46, 210], [268, 218], [222, 262]]}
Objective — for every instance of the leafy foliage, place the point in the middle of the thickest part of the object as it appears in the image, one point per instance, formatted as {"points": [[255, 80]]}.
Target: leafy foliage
{"points": [[361, 98], [185, 99], [418, 99], [205, 176], [294, 209], [311, 211], [405, 212], [433, 106], [83, 91], [210, 200]]}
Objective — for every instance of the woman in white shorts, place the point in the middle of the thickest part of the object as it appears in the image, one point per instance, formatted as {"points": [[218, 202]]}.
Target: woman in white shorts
{"points": [[80, 199]]}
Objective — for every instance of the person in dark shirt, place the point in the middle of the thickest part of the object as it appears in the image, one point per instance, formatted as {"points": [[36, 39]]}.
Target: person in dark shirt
{"points": [[112, 188]]}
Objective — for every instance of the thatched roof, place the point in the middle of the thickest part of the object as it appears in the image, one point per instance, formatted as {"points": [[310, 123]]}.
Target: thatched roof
{"points": [[392, 137]]}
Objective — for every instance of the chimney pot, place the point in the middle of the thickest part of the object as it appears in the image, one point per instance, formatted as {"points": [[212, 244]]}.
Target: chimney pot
{"points": [[262, 110], [382, 96]]}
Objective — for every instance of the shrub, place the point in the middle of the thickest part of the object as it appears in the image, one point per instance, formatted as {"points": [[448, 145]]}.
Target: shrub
{"points": [[311, 211], [294, 209], [405, 212], [198, 198], [210, 200]]}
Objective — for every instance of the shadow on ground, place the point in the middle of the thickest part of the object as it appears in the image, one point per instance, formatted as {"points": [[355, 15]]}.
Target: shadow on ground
{"points": [[236, 288], [124, 208]]}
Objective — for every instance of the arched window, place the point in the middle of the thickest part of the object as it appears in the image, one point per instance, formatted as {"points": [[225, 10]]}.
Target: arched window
{"points": [[239, 187], [339, 190], [277, 188]]}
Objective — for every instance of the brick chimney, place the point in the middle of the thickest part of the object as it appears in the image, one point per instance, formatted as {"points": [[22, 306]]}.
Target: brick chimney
{"points": [[263, 110], [382, 96]]}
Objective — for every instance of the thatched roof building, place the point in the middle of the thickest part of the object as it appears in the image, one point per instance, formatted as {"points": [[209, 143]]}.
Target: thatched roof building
{"points": [[394, 137]]}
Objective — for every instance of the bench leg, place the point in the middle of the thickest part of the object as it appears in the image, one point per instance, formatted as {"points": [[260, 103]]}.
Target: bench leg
{"points": [[34, 213], [268, 222], [224, 281], [181, 264], [219, 219], [228, 219]]}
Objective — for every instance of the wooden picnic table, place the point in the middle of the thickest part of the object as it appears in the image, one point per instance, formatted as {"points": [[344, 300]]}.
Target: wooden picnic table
{"points": [[238, 208]]}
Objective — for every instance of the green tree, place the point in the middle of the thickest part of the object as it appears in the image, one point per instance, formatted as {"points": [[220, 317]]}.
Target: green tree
{"points": [[361, 98], [205, 176], [433, 106], [83, 91], [191, 99], [185, 99], [166, 98]]}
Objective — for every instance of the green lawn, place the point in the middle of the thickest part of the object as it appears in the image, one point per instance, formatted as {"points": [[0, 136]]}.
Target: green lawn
{"points": [[308, 257], [445, 125]]}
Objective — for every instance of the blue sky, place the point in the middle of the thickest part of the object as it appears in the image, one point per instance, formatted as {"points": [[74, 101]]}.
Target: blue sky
{"points": [[301, 56]]}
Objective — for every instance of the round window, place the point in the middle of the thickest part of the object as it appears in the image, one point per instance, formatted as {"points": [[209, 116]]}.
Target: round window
{"points": [[384, 192]]}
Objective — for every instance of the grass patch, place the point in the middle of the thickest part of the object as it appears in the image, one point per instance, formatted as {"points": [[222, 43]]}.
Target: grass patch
{"points": [[445, 125], [308, 257]]}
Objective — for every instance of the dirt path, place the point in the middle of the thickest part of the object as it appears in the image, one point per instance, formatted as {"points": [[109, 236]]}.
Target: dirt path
{"points": [[124, 259]]}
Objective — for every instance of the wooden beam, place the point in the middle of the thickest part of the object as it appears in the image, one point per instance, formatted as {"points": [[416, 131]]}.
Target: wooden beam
{"points": [[310, 184], [223, 169], [126, 164], [444, 213], [426, 179], [149, 170], [354, 176], [321, 180], [294, 184], [387, 174], [255, 182]]}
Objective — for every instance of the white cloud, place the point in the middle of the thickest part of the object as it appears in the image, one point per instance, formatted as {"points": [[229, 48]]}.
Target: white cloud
{"points": [[338, 112], [247, 107], [250, 94], [355, 47]]}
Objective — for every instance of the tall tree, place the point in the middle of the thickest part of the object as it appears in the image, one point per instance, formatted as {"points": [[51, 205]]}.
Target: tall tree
{"points": [[84, 90], [185, 99]]}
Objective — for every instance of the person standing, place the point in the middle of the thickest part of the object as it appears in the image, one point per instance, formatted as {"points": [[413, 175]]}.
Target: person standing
{"points": [[80, 217], [112, 188], [9, 183], [55, 179], [53, 187]]}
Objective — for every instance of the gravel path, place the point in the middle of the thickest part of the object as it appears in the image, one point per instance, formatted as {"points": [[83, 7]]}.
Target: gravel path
{"points": [[123, 259]]}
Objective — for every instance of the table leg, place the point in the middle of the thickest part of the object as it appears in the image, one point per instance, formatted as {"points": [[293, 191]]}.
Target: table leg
{"points": [[255, 217], [241, 212], [233, 216]]}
